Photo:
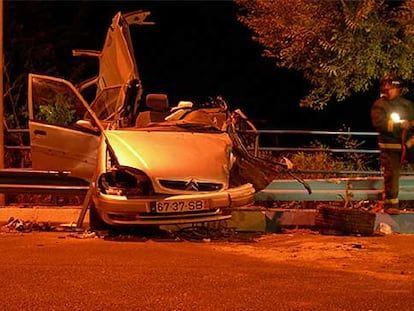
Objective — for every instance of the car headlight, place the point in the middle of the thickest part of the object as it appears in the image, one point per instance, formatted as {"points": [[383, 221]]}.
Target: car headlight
{"points": [[125, 181]]}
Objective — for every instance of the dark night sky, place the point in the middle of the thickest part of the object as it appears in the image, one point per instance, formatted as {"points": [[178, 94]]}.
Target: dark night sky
{"points": [[197, 49]]}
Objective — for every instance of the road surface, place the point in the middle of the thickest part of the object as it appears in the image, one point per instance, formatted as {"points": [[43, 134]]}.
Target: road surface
{"points": [[300, 270]]}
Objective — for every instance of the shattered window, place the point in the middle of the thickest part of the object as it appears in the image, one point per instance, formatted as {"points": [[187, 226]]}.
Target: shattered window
{"points": [[106, 104]]}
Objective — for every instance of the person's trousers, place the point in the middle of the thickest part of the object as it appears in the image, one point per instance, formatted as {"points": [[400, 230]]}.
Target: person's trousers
{"points": [[391, 167]]}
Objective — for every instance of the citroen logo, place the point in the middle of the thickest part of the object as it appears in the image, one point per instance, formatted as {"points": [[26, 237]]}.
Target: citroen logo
{"points": [[191, 185]]}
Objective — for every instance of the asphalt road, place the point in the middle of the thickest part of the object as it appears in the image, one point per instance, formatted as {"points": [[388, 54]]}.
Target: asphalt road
{"points": [[300, 270]]}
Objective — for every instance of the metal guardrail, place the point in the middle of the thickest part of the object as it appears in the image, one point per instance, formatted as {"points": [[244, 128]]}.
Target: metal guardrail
{"points": [[16, 181], [275, 134], [355, 186], [333, 189]]}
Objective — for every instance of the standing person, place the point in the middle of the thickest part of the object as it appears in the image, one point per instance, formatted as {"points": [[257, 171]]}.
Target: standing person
{"points": [[391, 115]]}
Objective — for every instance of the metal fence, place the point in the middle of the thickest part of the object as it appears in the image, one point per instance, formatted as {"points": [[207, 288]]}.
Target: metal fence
{"points": [[17, 154], [277, 134], [288, 141], [275, 141]]}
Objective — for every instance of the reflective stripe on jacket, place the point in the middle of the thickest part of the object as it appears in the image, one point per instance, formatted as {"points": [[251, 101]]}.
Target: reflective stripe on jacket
{"points": [[389, 146]]}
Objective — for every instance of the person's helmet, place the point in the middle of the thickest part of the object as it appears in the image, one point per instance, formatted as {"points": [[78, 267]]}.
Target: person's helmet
{"points": [[391, 79]]}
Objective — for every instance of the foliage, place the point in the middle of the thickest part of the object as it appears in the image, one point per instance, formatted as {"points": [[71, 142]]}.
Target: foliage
{"points": [[59, 112], [340, 46], [355, 161], [324, 160]]}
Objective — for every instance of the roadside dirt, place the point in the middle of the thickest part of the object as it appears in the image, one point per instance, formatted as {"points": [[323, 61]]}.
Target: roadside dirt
{"points": [[385, 257]]}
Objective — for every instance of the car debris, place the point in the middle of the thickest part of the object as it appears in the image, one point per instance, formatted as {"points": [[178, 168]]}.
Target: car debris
{"points": [[19, 225], [87, 234]]}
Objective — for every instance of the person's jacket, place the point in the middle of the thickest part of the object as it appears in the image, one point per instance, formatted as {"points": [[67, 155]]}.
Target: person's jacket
{"points": [[390, 131]]}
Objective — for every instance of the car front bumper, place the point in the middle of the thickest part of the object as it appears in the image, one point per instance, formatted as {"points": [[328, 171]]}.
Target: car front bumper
{"points": [[118, 210]]}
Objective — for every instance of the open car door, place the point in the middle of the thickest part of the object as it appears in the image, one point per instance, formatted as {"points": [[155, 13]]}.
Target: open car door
{"points": [[117, 65], [65, 130], [60, 137]]}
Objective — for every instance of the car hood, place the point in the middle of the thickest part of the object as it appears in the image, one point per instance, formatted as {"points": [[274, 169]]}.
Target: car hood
{"points": [[174, 155]]}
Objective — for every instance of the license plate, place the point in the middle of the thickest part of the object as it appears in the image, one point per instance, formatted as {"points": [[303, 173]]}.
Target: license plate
{"points": [[176, 206]]}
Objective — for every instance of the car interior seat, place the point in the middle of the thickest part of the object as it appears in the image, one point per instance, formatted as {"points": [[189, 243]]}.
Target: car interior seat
{"points": [[158, 110]]}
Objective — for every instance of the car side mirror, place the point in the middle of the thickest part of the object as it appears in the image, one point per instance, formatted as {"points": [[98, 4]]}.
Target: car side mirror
{"points": [[87, 125]]}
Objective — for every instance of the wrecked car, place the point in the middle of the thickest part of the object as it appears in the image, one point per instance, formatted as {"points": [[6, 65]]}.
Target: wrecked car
{"points": [[161, 165]]}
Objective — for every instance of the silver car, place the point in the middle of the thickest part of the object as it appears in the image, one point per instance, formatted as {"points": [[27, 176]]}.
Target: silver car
{"points": [[163, 165]]}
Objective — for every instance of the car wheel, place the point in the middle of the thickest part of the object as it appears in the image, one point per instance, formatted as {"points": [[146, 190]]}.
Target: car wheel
{"points": [[95, 221]]}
